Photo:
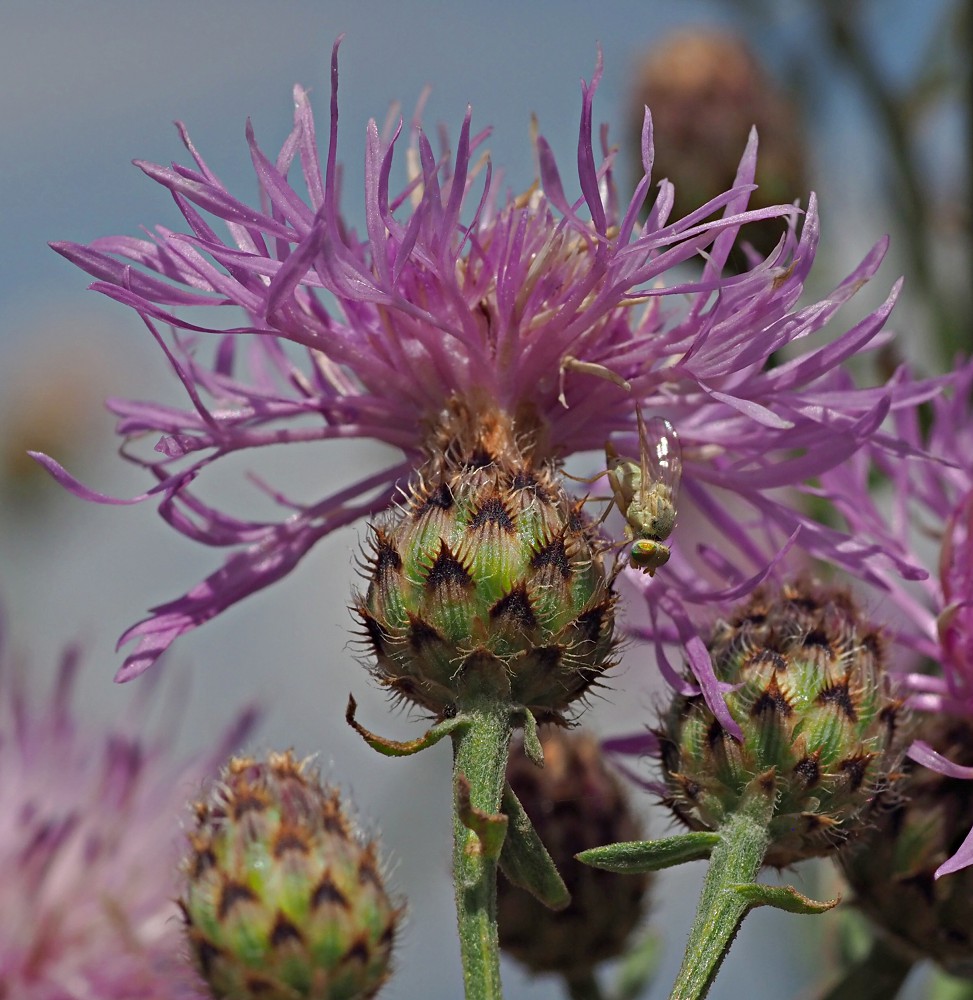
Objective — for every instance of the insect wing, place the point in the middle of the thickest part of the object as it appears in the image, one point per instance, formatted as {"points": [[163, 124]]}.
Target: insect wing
{"points": [[661, 454]]}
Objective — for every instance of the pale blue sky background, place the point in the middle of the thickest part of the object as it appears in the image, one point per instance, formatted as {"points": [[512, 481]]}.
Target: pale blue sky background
{"points": [[87, 86]]}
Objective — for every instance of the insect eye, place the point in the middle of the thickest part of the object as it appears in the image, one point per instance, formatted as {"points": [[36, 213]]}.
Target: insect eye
{"points": [[648, 556]]}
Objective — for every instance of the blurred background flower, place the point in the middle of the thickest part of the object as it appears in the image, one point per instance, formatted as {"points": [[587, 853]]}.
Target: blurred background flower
{"points": [[575, 802], [706, 89], [90, 844]]}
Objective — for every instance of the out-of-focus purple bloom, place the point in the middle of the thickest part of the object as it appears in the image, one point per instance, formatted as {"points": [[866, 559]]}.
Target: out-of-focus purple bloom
{"points": [[924, 514], [927, 514], [457, 292], [90, 845]]}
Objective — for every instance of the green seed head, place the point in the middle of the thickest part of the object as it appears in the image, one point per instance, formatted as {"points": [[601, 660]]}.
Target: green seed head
{"points": [[488, 570], [283, 898], [814, 705], [575, 803], [912, 831]]}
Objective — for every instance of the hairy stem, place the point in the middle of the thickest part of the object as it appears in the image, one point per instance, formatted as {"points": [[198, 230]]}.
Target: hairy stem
{"points": [[734, 863], [480, 751]]}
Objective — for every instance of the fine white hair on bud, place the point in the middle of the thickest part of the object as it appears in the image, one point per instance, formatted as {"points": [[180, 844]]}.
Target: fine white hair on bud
{"points": [[488, 569], [283, 896], [808, 688]]}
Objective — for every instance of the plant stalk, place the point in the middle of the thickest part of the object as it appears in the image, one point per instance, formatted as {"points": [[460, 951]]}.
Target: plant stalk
{"points": [[584, 986], [734, 863], [480, 751]]}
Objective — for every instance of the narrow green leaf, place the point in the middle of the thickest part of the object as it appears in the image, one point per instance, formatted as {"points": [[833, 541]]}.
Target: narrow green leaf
{"points": [[781, 897], [490, 828], [651, 855], [532, 743], [524, 858], [395, 748], [944, 987]]}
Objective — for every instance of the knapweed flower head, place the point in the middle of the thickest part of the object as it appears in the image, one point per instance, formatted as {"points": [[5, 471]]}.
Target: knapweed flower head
{"points": [[912, 833], [925, 511], [284, 898], [89, 849], [488, 574], [575, 803], [456, 294], [814, 703]]}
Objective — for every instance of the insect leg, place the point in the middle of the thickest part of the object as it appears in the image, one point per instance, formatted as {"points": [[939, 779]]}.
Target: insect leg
{"points": [[572, 364]]}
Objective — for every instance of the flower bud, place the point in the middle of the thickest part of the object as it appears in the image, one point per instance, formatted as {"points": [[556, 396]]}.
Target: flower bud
{"points": [[810, 694], [284, 900], [892, 865], [489, 569], [706, 90], [575, 803]]}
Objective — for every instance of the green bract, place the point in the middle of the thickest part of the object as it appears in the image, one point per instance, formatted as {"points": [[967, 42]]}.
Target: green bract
{"points": [[892, 868], [815, 707], [283, 900], [488, 564]]}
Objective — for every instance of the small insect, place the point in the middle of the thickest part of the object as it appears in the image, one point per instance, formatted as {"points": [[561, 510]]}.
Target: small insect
{"points": [[645, 491]]}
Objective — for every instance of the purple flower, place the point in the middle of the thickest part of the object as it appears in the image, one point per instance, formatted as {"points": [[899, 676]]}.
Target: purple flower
{"points": [[455, 292], [926, 513], [923, 512], [89, 849]]}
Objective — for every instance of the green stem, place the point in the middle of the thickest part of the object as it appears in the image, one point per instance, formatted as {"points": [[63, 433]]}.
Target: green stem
{"points": [[854, 46], [734, 862], [584, 986], [480, 751], [946, 987], [879, 975]]}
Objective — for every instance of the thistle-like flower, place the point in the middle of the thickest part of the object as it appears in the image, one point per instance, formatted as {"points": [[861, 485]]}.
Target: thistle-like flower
{"points": [[89, 849], [490, 569], [455, 295], [810, 694], [575, 803], [283, 897], [925, 515], [911, 834], [817, 737]]}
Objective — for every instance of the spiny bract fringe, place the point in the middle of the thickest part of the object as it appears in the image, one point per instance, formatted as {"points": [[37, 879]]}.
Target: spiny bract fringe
{"points": [[912, 832], [489, 568], [283, 899], [814, 705]]}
